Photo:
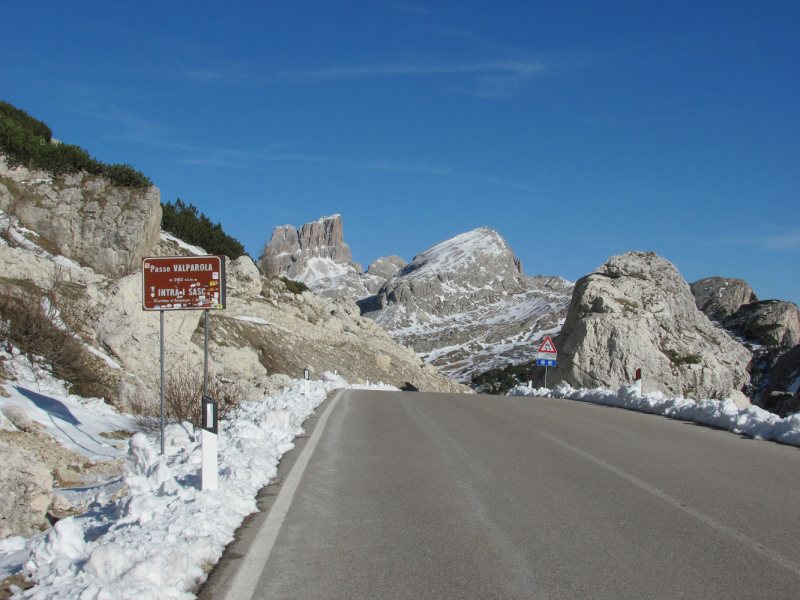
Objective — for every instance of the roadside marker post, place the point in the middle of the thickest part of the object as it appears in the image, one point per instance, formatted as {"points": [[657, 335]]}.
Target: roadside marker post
{"points": [[638, 382], [186, 283], [547, 356], [210, 430], [306, 384]]}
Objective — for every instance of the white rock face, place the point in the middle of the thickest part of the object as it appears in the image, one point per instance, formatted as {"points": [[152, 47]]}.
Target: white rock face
{"points": [[466, 305], [83, 217], [26, 492], [636, 311]]}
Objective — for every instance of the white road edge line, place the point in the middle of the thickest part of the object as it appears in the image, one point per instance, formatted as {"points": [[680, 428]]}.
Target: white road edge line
{"points": [[752, 544], [246, 579]]}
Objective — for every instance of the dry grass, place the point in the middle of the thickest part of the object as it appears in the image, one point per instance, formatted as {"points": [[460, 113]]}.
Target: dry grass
{"points": [[29, 324], [183, 392]]}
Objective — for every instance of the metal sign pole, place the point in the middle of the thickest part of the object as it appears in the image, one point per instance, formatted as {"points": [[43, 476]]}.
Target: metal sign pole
{"points": [[205, 364], [545, 376], [162, 382]]}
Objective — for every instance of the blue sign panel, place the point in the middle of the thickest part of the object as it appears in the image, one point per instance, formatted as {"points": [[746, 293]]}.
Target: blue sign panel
{"points": [[546, 362]]}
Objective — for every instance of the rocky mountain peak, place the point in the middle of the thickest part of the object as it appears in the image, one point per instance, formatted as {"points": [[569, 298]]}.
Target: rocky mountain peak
{"points": [[719, 297], [479, 248], [386, 267], [466, 305], [317, 250]]}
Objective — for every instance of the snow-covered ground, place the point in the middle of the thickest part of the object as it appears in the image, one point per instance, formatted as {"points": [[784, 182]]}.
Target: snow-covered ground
{"points": [[752, 420], [76, 422], [161, 537]]}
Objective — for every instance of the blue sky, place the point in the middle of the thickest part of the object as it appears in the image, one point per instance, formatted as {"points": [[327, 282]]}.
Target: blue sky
{"points": [[578, 130]]}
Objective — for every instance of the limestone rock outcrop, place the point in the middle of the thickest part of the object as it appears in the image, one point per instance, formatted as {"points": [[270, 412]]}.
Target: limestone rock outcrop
{"points": [[84, 218], [466, 305], [767, 322], [781, 389], [316, 250], [719, 297], [769, 329], [636, 311], [317, 255], [380, 271], [26, 492]]}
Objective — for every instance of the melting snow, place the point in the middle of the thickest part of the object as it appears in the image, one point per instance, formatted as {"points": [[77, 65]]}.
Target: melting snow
{"points": [[752, 420], [196, 250]]}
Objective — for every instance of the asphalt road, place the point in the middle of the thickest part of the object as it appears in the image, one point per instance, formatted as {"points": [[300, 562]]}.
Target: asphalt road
{"points": [[412, 495]]}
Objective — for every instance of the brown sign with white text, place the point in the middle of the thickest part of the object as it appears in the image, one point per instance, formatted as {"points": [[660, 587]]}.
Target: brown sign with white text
{"points": [[183, 283]]}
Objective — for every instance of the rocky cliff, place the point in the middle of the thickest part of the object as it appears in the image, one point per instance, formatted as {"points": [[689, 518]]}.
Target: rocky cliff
{"points": [[769, 329], [636, 311], [82, 217], [466, 305], [317, 250]]}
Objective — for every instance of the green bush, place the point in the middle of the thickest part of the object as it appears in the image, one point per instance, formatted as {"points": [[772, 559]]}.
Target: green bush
{"points": [[501, 381], [28, 142], [296, 287], [184, 222]]}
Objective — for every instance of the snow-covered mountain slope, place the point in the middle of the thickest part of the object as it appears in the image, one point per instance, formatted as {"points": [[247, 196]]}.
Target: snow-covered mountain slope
{"points": [[466, 306]]}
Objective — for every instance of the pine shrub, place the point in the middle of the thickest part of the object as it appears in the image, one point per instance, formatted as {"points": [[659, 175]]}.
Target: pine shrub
{"points": [[28, 142], [184, 222]]}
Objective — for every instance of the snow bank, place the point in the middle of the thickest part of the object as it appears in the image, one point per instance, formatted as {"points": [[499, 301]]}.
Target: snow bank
{"points": [[753, 421], [75, 421], [159, 540]]}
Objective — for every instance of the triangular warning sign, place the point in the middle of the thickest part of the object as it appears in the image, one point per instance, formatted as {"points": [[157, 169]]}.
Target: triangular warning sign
{"points": [[548, 346]]}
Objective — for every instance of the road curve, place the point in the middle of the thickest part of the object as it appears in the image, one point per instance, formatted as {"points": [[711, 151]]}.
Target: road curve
{"points": [[414, 495]]}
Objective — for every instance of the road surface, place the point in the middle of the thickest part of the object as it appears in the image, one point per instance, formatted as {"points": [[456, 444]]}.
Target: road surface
{"points": [[414, 495]]}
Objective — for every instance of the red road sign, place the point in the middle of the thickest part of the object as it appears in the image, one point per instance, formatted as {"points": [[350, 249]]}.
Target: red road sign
{"points": [[183, 283], [548, 346]]}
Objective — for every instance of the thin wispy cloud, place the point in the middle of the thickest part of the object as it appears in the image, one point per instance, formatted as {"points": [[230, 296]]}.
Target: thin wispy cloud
{"points": [[417, 9], [243, 159], [511, 68], [207, 75], [782, 241], [482, 79]]}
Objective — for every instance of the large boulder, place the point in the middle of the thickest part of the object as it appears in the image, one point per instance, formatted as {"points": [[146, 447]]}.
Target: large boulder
{"points": [[719, 297], [26, 492], [636, 311], [83, 217]]}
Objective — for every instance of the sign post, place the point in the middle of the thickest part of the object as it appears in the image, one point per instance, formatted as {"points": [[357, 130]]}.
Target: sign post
{"points": [[547, 356], [184, 283]]}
